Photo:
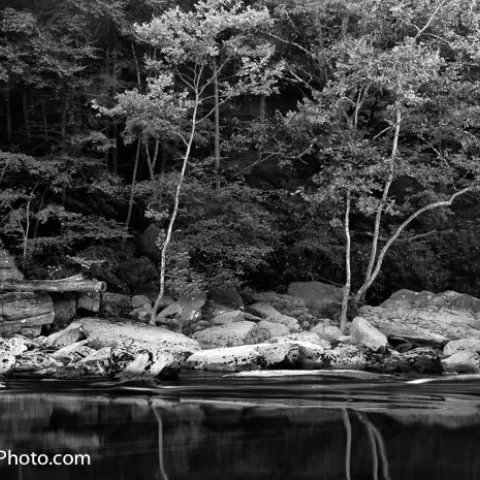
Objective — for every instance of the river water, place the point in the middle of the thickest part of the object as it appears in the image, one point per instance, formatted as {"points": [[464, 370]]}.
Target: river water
{"points": [[206, 427]]}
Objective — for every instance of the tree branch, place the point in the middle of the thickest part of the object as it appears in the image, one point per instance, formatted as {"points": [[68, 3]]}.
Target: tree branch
{"points": [[400, 229], [430, 20]]}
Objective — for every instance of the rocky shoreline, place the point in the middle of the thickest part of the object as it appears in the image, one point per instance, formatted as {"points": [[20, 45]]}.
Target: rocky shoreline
{"points": [[227, 331], [251, 338]]}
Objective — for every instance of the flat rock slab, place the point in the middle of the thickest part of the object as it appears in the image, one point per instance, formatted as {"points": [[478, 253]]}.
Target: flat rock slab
{"points": [[267, 312], [232, 335], [466, 344], [109, 334], [428, 324], [233, 359]]}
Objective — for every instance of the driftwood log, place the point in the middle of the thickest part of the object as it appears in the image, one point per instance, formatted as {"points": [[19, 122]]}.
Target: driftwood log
{"points": [[76, 283]]}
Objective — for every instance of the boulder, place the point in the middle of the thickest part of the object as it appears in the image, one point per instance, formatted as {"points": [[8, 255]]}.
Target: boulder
{"points": [[266, 311], [24, 310], [465, 344], [228, 297], [65, 309], [149, 364], [320, 298], [114, 304], [228, 317], [426, 318], [72, 334], [66, 351], [462, 362], [284, 303], [346, 357], [99, 356], [273, 329], [142, 313], [72, 355], [310, 355], [278, 356], [7, 362], [422, 360], [88, 302], [235, 334], [13, 346], [363, 333], [104, 333], [330, 333], [171, 323], [140, 301], [185, 309], [8, 268], [310, 337], [35, 361], [232, 359]]}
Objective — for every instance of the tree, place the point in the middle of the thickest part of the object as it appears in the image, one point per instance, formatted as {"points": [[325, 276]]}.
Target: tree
{"points": [[186, 42], [421, 80], [222, 40]]}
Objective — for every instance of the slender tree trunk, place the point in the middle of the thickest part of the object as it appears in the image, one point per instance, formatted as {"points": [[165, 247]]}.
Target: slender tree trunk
{"points": [[383, 201], [115, 124], [9, 112], [37, 221], [137, 68], [262, 126], [132, 191], [348, 273], [217, 128], [45, 120], [173, 217], [163, 161], [148, 158], [26, 231], [26, 118], [155, 154], [64, 122]]}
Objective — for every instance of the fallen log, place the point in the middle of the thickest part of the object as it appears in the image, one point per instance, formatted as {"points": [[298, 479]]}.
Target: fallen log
{"points": [[71, 284]]}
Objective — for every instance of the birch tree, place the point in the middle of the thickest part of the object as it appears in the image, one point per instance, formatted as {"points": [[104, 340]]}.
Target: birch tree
{"points": [[192, 49], [417, 72]]}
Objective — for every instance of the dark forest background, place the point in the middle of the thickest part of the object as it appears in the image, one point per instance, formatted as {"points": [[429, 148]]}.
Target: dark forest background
{"points": [[87, 185]]}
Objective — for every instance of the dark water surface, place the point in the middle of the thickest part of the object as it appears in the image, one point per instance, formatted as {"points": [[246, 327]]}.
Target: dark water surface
{"points": [[240, 427]]}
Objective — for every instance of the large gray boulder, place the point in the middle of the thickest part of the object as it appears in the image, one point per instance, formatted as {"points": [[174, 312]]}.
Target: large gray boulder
{"points": [[266, 311], [426, 317], [232, 359], [228, 317], [320, 298], [462, 362], [284, 303], [465, 344], [349, 357], [363, 333], [232, 335], [273, 329], [331, 333], [255, 357], [185, 309], [104, 333]]}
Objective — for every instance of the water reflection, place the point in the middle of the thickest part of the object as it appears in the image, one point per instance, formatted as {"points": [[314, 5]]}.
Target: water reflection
{"points": [[207, 430]]}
